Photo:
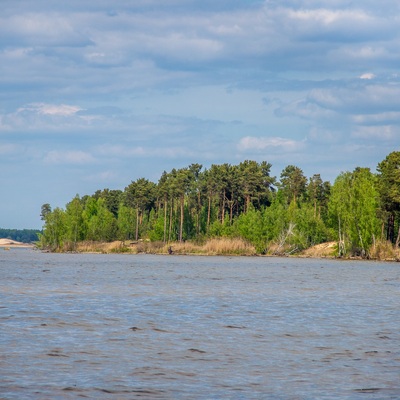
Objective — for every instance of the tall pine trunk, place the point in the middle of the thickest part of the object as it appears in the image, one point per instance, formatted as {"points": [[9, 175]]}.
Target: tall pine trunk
{"points": [[247, 203], [223, 208], [137, 224], [170, 220], [182, 216], [209, 212], [398, 238], [165, 219]]}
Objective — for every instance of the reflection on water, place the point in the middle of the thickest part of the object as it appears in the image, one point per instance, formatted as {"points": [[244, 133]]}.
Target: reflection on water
{"points": [[166, 327]]}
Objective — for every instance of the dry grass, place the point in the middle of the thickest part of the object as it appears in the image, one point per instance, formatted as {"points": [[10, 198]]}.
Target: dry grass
{"points": [[101, 247], [328, 249], [223, 246], [381, 250], [211, 247], [229, 246], [384, 250]]}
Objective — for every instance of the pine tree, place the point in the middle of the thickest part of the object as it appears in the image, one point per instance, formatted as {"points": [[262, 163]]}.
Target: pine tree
{"points": [[389, 190]]}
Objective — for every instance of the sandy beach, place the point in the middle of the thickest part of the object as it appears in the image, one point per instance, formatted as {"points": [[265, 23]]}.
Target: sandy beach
{"points": [[8, 243]]}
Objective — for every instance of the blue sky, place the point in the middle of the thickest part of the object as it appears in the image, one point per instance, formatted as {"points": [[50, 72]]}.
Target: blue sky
{"points": [[95, 93]]}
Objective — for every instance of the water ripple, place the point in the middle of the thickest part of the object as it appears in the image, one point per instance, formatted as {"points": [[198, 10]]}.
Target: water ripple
{"points": [[152, 327]]}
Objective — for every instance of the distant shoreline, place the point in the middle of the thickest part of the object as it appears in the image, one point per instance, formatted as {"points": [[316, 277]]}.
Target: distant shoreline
{"points": [[213, 247], [9, 243]]}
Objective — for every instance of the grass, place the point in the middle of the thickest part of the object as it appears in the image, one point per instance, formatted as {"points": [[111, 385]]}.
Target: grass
{"points": [[381, 250], [384, 250], [221, 246], [328, 249]]}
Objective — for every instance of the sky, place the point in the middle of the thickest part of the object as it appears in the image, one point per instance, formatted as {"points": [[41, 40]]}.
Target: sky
{"points": [[95, 94]]}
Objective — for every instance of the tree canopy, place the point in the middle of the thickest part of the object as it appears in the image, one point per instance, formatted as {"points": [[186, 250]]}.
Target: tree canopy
{"points": [[241, 200]]}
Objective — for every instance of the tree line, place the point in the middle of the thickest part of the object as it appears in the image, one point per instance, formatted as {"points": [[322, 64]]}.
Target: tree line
{"points": [[281, 215], [20, 235]]}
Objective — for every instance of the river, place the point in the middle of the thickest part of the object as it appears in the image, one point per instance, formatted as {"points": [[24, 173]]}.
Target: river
{"points": [[181, 327]]}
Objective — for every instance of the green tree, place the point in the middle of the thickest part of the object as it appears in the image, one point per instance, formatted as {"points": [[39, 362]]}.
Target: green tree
{"points": [[389, 190], [126, 222], [212, 187], [54, 229], [293, 183], [45, 210], [183, 182], [232, 192], [309, 228], [252, 227], [74, 225], [100, 222], [353, 208], [112, 199], [141, 196], [255, 181], [163, 196]]}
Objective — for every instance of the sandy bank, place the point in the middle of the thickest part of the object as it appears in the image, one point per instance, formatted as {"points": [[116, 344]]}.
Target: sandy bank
{"points": [[13, 243]]}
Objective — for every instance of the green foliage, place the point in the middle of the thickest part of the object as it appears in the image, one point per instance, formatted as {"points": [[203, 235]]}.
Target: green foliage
{"points": [[309, 228], [252, 227], [221, 229], [100, 222], [126, 222], [293, 183], [255, 182], [353, 210], [20, 235], [54, 230], [45, 210], [156, 233], [112, 199], [281, 224], [74, 226], [237, 201], [318, 195], [389, 181], [389, 190]]}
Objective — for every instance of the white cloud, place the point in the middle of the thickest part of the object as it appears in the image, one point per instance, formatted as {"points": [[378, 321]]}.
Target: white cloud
{"points": [[48, 117], [305, 109], [327, 17], [357, 99], [377, 133], [378, 118], [368, 75], [62, 110], [68, 157], [268, 143], [362, 111], [43, 28], [190, 77], [370, 52]]}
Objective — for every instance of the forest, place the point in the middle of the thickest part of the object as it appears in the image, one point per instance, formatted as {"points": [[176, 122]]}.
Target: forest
{"points": [[360, 210], [20, 235]]}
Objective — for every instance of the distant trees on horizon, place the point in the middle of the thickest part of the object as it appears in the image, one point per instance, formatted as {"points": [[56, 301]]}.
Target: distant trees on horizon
{"points": [[244, 200], [20, 235]]}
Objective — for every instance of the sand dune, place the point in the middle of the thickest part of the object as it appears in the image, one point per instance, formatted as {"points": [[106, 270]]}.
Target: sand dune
{"points": [[13, 243]]}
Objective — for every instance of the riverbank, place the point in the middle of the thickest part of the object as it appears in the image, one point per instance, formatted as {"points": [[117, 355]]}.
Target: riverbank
{"points": [[8, 243], [213, 247], [382, 251]]}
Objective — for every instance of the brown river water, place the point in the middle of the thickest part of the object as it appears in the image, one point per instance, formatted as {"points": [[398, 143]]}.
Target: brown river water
{"points": [[179, 327]]}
